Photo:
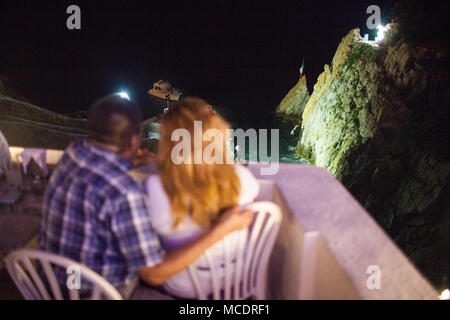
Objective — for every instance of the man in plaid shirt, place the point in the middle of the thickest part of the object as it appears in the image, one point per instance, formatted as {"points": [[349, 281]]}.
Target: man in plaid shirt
{"points": [[95, 213]]}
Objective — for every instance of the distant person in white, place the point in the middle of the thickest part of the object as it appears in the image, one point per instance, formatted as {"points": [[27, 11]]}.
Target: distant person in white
{"points": [[186, 200], [5, 157]]}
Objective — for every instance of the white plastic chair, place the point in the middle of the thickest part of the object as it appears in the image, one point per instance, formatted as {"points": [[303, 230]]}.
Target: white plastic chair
{"points": [[21, 265], [245, 269]]}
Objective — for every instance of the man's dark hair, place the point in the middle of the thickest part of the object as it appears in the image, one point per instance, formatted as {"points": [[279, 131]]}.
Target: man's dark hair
{"points": [[114, 120]]}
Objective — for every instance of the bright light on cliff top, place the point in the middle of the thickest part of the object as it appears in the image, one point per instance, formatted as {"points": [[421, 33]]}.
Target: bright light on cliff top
{"points": [[445, 295], [381, 31], [124, 95]]}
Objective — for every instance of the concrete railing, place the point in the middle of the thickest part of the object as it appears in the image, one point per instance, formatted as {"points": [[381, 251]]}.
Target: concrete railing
{"points": [[323, 223]]}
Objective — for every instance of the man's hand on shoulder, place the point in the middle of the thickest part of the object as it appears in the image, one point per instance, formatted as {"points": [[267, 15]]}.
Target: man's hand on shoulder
{"points": [[180, 258], [234, 219]]}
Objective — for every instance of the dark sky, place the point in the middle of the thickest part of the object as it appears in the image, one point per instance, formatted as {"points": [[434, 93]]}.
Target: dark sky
{"points": [[241, 56]]}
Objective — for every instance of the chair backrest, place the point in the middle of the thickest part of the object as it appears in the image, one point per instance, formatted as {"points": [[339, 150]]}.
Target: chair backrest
{"points": [[22, 267], [244, 270]]}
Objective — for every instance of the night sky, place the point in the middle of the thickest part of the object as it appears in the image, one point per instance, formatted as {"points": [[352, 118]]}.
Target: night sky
{"points": [[241, 56]]}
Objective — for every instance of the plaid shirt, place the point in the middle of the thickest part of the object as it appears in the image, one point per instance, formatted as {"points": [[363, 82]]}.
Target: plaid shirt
{"points": [[94, 212]]}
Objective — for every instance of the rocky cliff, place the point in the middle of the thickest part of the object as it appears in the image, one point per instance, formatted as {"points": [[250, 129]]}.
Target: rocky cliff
{"points": [[378, 121], [295, 101]]}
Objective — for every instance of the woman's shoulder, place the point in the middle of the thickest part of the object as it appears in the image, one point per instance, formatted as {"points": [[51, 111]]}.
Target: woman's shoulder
{"points": [[242, 171], [249, 184], [158, 201], [153, 186], [245, 175]]}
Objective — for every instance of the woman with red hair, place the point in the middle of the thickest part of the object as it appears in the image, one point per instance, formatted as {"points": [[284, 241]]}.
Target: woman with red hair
{"points": [[186, 199]]}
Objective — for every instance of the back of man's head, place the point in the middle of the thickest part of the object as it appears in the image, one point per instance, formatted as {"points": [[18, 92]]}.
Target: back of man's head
{"points": [[113, 120]]}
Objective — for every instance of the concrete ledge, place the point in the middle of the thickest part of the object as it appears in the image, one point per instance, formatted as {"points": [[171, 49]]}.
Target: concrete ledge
{"points": [[313, 200]]}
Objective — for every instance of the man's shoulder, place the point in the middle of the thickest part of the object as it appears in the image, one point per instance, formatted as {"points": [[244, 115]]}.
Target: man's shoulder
{"points": [[105, 176], [72, 155]]}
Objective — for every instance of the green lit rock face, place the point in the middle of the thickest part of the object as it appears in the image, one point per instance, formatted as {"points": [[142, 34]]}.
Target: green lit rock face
{"points": [[378, 120], [294, 103], [340, 116]]}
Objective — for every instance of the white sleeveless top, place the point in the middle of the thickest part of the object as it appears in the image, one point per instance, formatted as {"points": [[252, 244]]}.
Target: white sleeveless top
{"points": [[187, 231]]}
